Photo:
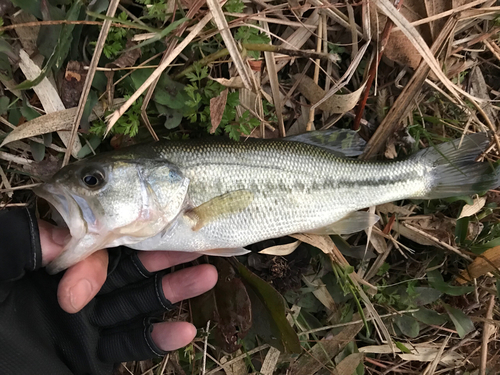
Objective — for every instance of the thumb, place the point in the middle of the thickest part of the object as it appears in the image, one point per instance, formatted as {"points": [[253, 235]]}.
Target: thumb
{"points": [[52, 240]]}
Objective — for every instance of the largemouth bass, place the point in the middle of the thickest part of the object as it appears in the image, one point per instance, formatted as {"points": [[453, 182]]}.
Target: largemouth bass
{"points": [[216, 196]]}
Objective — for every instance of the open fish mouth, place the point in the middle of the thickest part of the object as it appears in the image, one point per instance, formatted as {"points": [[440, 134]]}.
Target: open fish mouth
{"points": [[74, 210]]}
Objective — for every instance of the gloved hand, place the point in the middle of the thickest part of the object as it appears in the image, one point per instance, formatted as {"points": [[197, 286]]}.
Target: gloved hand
{"points": [[57, 325]]}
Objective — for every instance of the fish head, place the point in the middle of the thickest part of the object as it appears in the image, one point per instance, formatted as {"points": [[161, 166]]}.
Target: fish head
{"points": [[112, 202]]}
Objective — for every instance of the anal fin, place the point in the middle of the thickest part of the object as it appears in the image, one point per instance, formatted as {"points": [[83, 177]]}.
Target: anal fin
{"points": [[226, 252], [351, 223]]}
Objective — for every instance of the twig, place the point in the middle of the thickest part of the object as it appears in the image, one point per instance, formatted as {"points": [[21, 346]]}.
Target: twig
{"points": [[273, 80], [66, 22], [438, 241], [386, 33], [205, 348], [15, 159], [106, 25], [29, 186], [254, 47], [487, 328], [312, 110]]}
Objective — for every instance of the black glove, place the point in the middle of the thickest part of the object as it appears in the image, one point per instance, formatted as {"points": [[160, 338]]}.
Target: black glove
{"points": [[38, 337]]}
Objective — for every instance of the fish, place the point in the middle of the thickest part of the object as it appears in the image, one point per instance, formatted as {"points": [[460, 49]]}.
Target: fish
{"points": [[216, 196]]}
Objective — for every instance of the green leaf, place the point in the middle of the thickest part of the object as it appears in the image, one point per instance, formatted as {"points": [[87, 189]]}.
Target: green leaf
{"points": [[92, 100], [275, 306], [4, 104], [462, 322], [28, 112], [479, 249], [5, 67], [37, 150], [402, 347], [421, 296], [461, 230], [467, 199], [173, 119], [30, 6], [436, 281], [429, 317], [498, 288], [92, 143], [234, 6], [47, 139], [408, 325]]}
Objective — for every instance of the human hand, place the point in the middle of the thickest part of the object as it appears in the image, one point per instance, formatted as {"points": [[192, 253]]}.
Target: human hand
{"points": [[81, 282]]}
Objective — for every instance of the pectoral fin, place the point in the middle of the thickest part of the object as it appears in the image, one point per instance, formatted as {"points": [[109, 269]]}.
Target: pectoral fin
{"points": [[223, 205], [226, 252], [352, 223]]}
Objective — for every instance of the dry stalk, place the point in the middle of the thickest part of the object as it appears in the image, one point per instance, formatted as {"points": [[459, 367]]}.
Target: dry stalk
{"points": [[90, 76], [487, 331], [392, 121]]}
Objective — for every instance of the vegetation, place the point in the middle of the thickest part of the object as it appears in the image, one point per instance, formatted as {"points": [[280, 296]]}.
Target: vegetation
{"points": [[417, 293]]}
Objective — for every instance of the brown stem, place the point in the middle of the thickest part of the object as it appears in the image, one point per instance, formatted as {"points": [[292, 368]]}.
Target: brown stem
{"points": [[384, 39]]}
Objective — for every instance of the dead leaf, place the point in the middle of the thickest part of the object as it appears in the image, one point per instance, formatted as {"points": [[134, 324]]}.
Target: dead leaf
{"points": [[270, 361], [434, 7], [349, 364], [488, 261], [72, 84], [324, 243], [321, 353], [391, 208], [217, 108], [233, 82], [335, 104], [48, 96], [472, 209], [228, 306], [55, 121], [424, 352], [429, 354], [399, 48], [281, 250], [320, 292]]}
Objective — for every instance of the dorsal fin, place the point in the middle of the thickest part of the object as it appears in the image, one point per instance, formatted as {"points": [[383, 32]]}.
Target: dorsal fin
{"points": [[342, 142]]}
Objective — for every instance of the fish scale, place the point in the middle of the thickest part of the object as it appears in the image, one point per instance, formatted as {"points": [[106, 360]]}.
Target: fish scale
{"points": [[274, 171], [216, 196]]}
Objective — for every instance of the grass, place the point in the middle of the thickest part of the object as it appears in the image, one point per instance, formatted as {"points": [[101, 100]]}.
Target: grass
{"points": [[351, 302]]}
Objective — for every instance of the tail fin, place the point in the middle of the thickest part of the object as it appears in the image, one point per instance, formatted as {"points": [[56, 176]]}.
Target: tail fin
{"points": [[454, 171]]}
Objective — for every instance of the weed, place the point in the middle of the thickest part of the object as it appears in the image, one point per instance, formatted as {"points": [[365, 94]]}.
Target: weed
{"points": [[156, 8], [116, 40], [247, 34], [128, 124]]}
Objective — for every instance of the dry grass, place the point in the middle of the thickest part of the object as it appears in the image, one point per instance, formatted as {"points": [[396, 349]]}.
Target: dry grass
{"points": [[434, 73]]}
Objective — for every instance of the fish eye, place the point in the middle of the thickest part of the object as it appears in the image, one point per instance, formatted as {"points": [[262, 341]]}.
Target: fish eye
{"points": [[93, 179]]}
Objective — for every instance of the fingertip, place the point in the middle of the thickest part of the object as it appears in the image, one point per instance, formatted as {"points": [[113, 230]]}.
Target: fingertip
{"points": [[189, 282], [170, 336], [211, 275], [81, 282], [52, 240], [155, 261]]}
